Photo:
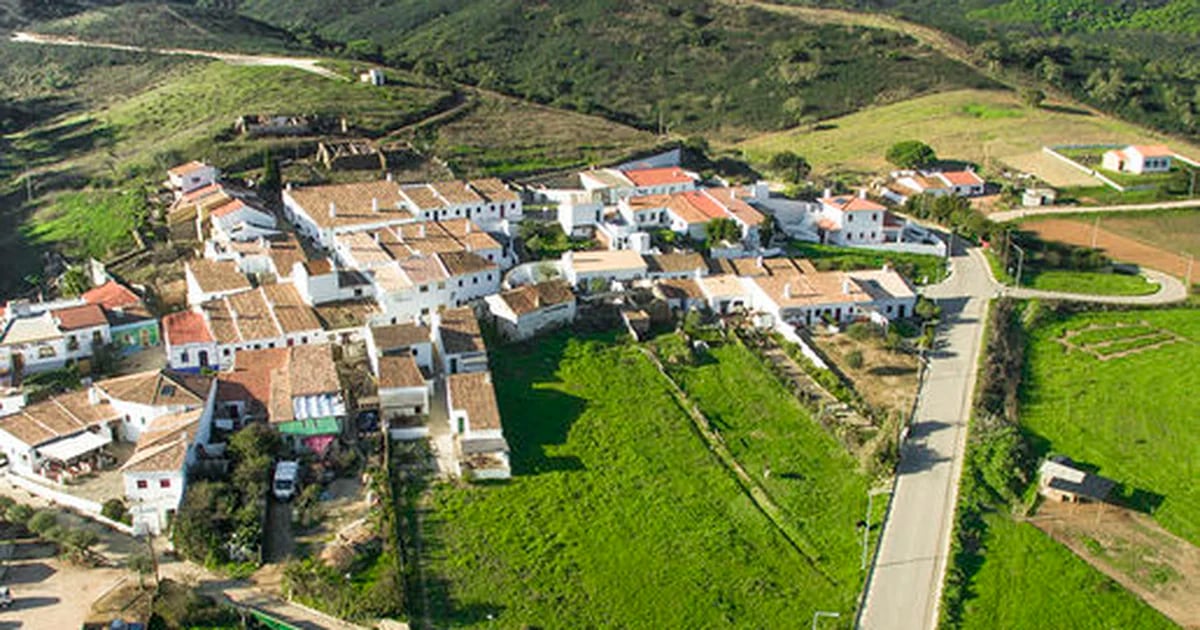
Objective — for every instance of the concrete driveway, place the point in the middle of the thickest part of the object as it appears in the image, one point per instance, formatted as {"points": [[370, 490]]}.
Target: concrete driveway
{"points": [[48, 593]]}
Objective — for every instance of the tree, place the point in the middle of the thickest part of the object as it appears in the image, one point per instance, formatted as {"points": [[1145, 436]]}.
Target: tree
{"points": [[1032, 97], [270, 182], [73, 281], [722, 229], [911, 154], [854, 359], [793, 168], [143, 565], [42, 521]]}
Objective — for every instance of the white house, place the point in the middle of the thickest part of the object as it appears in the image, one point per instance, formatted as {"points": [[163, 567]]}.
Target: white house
{"points": [[475, 424], [1138, 159], [646, 212], [963, 183], [802, 296], [41, 336], [524, 312], [140, 398], [238, 221], [459, 341], [188, 177], [189, 343], [209, 280], [605, 266], [577, 211], [851, 220], [156, 475], [411, 338], [609, 185], [403, 396], [677, 265], [58, 438]]}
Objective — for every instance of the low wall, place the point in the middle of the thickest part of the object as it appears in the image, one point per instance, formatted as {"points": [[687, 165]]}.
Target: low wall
{"points": [[938, 249], [1076, 165], [84, 507], [789, 333]]}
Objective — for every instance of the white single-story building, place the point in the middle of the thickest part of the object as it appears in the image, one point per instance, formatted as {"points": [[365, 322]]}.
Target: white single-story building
{"points": [[475, 424], [1138, 159], [526, 311]]}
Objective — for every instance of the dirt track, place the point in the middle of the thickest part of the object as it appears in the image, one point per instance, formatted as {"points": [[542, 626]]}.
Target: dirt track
{"points": [[1118, 247], [1160, 568]]}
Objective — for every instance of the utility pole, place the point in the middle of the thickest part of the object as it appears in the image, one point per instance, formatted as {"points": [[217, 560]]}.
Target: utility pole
{"points": [[1095, 231], [1020, 264], [866, 528]]}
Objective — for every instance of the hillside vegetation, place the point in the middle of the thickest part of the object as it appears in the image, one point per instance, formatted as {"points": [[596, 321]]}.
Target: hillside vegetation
{"points": [[693, 65]]}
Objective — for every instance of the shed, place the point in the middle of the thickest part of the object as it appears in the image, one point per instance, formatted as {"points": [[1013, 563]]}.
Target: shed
{"points": [[1061, 480]]}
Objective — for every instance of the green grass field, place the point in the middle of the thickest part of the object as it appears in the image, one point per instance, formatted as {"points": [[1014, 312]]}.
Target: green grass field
{"points": [[917, 268], [972, 125], [812, 477], [1090, 282], [617, 515], [1028, 580], [1131, 416]]}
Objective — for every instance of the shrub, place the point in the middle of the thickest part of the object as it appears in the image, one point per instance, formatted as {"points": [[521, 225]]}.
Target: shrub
{"points": [[860, 331], [910, 154], [42, 521], [854, 359], [18, 514], [115, 509]]}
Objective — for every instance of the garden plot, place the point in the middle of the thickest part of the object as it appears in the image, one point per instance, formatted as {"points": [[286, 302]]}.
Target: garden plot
{"points": [[1120, 340]]}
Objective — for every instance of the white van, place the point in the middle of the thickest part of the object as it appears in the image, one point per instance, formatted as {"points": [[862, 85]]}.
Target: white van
{"points": [[286, 476]]}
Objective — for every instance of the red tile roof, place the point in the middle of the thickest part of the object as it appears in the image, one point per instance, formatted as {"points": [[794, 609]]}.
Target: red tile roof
{"points": [[1153, 150], [850, 203], [111, 295], [77, 317], [184, 169], [186, 327], [962, 178], [232, 206], [658, 176]]}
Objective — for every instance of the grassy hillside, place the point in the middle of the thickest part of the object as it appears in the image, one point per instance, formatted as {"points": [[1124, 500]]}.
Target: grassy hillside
{"points": [[176, 25], [971, 125], [617, 515], [699, 66]]}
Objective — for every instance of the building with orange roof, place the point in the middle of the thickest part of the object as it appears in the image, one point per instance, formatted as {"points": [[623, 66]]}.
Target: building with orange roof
{"points": [[1138, 159], [904, 184], [475, 424], [529, 310], [610, 185], [850, 220], [236, 221], [131, 325], [190, 176]]}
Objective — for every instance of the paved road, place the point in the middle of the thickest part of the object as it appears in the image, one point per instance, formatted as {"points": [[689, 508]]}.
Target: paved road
{"points": [[299, 63], [1025, 213], [1172, 290], [904, 588]]}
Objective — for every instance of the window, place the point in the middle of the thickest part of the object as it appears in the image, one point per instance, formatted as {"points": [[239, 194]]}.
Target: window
{"points": [[358, 293], [225, 352], [460, 282], [424, 288], [489, 277], [304, 340], [442, 285], [183, 356], [164, 483], [849, 218], [141, 484], [271, 345], [475, 280]]}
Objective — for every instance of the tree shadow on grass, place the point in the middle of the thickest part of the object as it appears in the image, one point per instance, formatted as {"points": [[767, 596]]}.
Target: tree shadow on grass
{"points": [[536, 417]]}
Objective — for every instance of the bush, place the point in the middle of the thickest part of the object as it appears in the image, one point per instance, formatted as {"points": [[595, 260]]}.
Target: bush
{"points": [[18, 514], [854, 359], [42, 521], [860, 331], [115, 509], [911, 154]]}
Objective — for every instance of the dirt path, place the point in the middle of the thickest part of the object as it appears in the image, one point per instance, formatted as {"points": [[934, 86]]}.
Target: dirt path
{"points": [[1087, 233], [1130, 548], [299, 63], [1026, 213]]}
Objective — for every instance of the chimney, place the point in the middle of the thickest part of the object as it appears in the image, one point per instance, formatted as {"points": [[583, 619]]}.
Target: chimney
{"points": [[289, 185], [468, 226], [862, 193], [887, 266], [846, 285], [421, 230], [332, 209], [828, 193], [787, 290], [93, 396], [759, 261], [389, 176], [375, 206]]}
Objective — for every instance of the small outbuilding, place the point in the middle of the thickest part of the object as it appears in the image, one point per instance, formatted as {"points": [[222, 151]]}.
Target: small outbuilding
{"points": [[1059, 479]]}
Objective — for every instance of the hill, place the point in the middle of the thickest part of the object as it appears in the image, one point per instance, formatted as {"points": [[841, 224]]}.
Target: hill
{"points": [[970, 125], [694, 66]]}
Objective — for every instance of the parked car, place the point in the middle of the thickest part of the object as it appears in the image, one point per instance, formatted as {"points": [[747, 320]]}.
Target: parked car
{"points": [[287, 476], [6, 599]]}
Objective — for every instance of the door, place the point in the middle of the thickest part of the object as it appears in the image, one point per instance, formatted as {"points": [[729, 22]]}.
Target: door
{"points": [[204, 358], [454, 365]]}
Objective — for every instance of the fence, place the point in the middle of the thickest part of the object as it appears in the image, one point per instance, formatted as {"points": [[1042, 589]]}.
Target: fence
{"points": [[84, 507], [789, 333]]}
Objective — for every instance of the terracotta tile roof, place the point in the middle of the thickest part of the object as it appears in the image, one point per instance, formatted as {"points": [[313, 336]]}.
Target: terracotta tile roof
{"points": [[1153, 150], [254, 318], [220, 322], [163, 445], [285, 253], [474, 393], [399, 336], [680, 289], [459, 331], [649, 202], [422, 197], [736, 207], [532, 297], [457, 193], [607, 178], [468, 234], [318, 267], [363, 249], [204, 191], [57, 417], [184, 169], [399, 371], [345, 313], [850, 203], [290, 311], [694, 206], [962, 178], [354, 204], [604, 261], [112, 295], [250, 378], [31, 329], [311, 370], [674, 263], [494, 190], [658, 176], [422, 270], [217, 276], [156, 388], [391, 280], [186, 327], [232, 206], [722, 286], [76, 317], [882, 284], [461, 263], [833, 287]]}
